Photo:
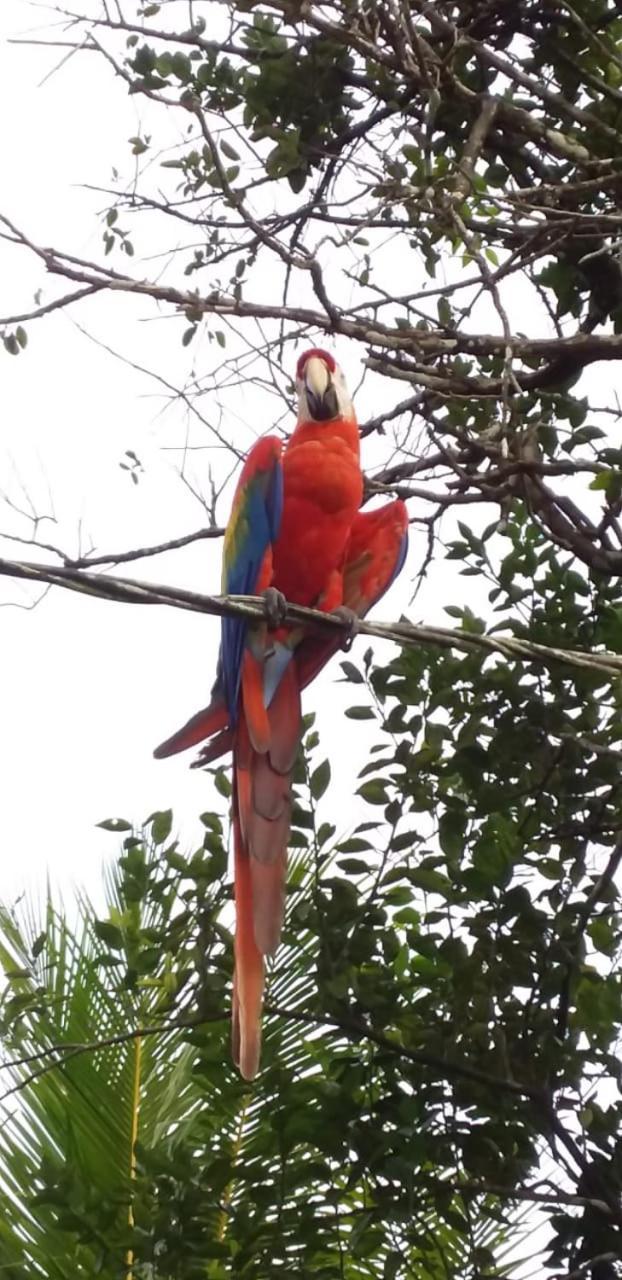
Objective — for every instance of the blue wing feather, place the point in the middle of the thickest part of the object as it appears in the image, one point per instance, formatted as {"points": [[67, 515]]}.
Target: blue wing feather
{"points": [[253, 527], [399, 563]]}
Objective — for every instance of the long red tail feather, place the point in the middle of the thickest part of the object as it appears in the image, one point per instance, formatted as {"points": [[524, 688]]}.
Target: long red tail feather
{"points": [[248, 982], [261, 830], [204, 724]]}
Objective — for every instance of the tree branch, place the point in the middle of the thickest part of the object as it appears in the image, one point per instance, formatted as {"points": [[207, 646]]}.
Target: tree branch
{"points": [[133, 591], [563, 357]]}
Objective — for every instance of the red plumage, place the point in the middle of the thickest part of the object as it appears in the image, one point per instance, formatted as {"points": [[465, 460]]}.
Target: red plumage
{"points": [[325, 553]]}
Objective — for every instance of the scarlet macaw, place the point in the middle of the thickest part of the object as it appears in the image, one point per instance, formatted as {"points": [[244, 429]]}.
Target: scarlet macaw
{"points": [[295, 528]]}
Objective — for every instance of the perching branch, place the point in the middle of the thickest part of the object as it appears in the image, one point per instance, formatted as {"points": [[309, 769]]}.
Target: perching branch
{"points": [[407, 634]]}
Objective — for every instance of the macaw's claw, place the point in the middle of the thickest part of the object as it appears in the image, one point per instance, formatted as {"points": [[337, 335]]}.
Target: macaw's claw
{"points": [[353, 620], [276, 607]]}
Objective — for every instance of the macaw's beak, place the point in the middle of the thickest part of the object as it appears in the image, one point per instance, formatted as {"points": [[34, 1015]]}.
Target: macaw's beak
{"points": [[321, 395]]}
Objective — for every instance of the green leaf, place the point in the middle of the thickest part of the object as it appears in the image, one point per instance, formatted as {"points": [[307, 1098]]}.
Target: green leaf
{"points": [[603, 936], [109, 933], [38, 945], [319, 780], [353, 866], [354, 845], [360, 713], [161, 826], [222, 783], [444, 313], [451, 829], [374, 791], [114, 824], [229, 151], [601, 481], [352, 673]]}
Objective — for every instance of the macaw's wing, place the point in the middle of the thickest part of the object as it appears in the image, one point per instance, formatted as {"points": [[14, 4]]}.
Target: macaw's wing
{"points": [[375, 555], [247, 557], [247, 567]]}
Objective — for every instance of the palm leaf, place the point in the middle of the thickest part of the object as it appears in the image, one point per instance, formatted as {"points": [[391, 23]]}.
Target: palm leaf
{"points": [[147, 1156], [70, 1119]]}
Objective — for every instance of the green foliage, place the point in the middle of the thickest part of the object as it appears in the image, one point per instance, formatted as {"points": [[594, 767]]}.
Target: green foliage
{"points": [[437, 986], [297, 98], [15, 342], [74, 1206]]}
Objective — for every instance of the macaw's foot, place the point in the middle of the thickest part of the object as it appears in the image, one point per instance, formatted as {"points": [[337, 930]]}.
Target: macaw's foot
{"points": [[276, 607], [352, 619]]}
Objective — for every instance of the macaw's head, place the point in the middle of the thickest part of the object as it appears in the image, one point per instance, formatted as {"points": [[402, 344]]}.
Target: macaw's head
{"points": [[321, 386]]}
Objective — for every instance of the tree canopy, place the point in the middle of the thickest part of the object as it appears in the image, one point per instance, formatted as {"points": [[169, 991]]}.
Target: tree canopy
{"points": [[438, 186]]}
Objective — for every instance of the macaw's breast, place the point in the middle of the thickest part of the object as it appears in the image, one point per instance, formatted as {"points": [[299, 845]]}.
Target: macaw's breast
{"points": [[323, 490]]}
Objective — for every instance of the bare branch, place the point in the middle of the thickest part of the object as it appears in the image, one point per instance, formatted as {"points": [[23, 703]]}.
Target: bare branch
{"points": [[141, 553]]}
